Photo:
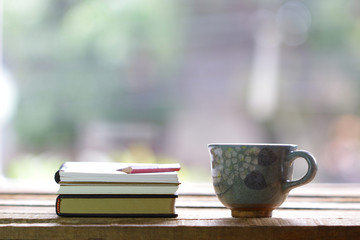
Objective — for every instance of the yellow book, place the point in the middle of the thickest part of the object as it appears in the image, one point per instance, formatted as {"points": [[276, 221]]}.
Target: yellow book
{"points": [[116, 205]]}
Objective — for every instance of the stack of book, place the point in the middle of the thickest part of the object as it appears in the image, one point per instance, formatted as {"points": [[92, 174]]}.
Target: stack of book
{"points": [[117, 189]]}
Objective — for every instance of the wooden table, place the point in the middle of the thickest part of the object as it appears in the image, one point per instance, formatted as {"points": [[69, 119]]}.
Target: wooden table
{"points": [[315, 211]]}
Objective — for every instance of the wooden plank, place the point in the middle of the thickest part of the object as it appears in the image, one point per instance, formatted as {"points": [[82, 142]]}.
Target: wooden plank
{"points": [[309, 190], [183, 221], [316, 212], [207, 202], [210, 230], [327, 190], [31, 223], [28, 187], [47, 214], [350, 203]]}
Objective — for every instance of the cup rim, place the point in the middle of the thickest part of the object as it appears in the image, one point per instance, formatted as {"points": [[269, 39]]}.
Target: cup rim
{"points": [[252, 145]]}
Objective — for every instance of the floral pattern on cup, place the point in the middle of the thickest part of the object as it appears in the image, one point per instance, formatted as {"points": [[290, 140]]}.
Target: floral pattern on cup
{"points": [[240, 163]]}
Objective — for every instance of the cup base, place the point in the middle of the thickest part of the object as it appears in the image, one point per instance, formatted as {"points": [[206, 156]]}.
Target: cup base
{"points": [[251, 213]]}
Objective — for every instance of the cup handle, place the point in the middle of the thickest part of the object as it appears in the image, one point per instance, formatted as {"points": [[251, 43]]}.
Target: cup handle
{"points": [[312, 169]]}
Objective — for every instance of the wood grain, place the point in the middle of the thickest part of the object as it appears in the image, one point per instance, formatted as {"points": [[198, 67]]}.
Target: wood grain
{"points": [[315, 212]]}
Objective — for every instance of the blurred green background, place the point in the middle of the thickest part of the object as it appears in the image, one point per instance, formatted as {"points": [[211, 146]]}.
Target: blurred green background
{"points": [[156, 81]]}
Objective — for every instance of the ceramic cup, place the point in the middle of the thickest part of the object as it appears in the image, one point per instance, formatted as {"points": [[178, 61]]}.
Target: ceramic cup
{"points": [[254, 179]]}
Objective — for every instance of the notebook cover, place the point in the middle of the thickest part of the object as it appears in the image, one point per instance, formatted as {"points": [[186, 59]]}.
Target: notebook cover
{"points": [[58, 199]]}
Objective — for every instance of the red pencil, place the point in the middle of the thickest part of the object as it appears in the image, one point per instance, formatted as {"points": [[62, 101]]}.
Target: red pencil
{"points": [[151, 168]]}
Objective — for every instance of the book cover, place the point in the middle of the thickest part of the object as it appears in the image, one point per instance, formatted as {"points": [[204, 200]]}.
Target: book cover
{"points": [[116, 205]]}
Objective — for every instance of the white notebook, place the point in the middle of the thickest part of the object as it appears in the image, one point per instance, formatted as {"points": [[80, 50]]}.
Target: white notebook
{"points": [[85, 172]]}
